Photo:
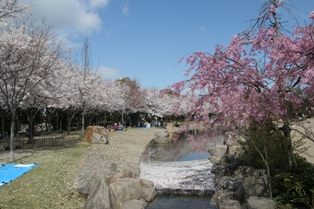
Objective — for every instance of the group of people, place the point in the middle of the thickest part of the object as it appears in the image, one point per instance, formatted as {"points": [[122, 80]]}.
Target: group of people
{"points": [[140, 123], [149, 122], [119, 127]]}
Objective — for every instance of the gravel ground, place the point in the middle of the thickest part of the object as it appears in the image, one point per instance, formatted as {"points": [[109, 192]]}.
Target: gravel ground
{"points": [[124, 148]]}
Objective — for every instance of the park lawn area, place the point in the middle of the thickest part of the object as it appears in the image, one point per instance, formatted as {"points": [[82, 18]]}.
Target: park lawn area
{"points": [[50, 184]]}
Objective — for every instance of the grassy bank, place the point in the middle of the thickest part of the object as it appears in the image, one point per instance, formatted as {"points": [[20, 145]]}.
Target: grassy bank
{"points": [[49, 185]]}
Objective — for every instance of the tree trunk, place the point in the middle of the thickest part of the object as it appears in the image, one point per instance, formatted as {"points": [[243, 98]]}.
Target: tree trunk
{"points": [[69, 123], [268, 173], [12, 135], [83, 120], [57, 122], [48, 119], [122, 117], [70, 117], [2, 121], [46, 123], [288, 143], [30, 126], [105, 121]]}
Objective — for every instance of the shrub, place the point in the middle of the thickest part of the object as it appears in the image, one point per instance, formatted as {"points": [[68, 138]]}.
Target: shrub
{"points": [[264, 139], [291, 186], [296, 187]]}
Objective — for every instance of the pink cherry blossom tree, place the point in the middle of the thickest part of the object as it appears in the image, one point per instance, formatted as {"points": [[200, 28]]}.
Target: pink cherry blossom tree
{"points": [[254, 77]]}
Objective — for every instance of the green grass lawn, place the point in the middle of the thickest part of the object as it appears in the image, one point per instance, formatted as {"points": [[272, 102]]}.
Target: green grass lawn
{"points": [[50, 184]]}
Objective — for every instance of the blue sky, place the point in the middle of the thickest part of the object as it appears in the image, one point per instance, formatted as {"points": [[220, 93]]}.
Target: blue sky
{"points": [[144, 39]]}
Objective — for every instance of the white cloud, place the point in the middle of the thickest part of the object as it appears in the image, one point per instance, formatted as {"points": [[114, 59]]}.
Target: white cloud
{"points": [[109, 73], [99, 3], [125, 10], [76, 15]]}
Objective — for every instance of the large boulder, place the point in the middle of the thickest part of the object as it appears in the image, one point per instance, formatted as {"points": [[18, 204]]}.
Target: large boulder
{"points": [[134, 204], [98, 193], [254, 184], [259, 203], [117, 188], [216, 153], [162, 140], [124, 171], [228, 183], [162, 137], [243, 171], [220, 195], [124, 190], [220, 169], [162, 133], [97, 134], [229, 204], [220, 150], [148, 190]]}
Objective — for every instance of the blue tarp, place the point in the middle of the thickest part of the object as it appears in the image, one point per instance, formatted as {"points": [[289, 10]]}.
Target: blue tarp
{"points": [[9, 172]]}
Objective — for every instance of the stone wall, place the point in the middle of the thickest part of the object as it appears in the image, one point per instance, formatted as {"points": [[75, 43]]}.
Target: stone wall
{"points": [[238, 186]]}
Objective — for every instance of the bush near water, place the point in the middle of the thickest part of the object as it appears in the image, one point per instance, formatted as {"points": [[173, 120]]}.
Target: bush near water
{"points": [[292, 186]]}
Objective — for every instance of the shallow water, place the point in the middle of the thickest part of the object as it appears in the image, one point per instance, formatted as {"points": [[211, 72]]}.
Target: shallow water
{"points": [[180, 150], [180, 202], [162, 160]]}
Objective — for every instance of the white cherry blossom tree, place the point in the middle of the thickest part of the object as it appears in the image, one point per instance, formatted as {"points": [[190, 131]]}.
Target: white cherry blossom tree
{"points": [[28, 57], [10, 9], [111, 97], [131, 94]]}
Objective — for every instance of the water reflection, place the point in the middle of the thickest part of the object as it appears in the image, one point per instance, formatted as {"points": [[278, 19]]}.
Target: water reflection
{"points": [[181, 150], [180, 202]]}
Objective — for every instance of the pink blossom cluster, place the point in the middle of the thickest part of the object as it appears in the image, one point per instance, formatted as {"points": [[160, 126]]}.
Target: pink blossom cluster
{"points": [[272, 8], [253, 78]]}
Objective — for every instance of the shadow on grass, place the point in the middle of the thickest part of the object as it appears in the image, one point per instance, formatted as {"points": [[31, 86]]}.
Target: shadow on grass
{"points": [[28, 150]]}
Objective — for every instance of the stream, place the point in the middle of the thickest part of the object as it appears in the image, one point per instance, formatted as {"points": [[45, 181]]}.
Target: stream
{"points": [[181, 173]]}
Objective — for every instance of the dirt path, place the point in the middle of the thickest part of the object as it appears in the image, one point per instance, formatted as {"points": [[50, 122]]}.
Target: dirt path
{"points": [[124, 148]]}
